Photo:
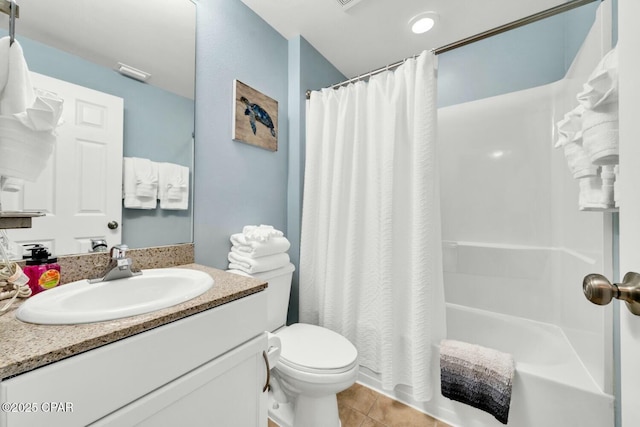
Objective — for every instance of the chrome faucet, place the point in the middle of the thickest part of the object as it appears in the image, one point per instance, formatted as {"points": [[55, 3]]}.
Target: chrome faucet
{"points": [[119, 266]]}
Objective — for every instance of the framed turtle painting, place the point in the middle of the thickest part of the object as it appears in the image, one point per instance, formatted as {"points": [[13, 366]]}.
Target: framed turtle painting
{"points": [[255, 117]]}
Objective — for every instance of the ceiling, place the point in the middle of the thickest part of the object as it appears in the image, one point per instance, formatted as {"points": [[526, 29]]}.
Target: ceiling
{"points": [[156, 36], [374, 33]]}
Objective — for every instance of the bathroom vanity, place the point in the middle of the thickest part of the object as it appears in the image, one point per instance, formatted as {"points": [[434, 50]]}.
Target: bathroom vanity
{"points": [[194, 364]]}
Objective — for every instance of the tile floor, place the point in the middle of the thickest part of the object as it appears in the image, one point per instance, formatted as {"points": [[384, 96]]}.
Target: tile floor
{"points": [[360, 406]]}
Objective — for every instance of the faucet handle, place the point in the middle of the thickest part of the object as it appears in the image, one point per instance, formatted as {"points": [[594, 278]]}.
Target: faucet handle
{"points": [[119, 251]]}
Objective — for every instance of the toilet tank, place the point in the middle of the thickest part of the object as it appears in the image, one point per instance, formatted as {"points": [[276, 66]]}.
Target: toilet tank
{"points": [[278, 290]]}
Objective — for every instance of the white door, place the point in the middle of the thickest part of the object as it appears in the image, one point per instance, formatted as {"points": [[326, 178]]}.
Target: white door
{"points": [[80, 189], [629, 185]]}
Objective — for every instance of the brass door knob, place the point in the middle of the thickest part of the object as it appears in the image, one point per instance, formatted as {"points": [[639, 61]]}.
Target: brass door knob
{"points": [[600, 291], [112, 225]]}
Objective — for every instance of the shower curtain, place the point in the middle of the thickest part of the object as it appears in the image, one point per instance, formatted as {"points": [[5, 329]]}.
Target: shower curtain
{"points": [[371, 254]]}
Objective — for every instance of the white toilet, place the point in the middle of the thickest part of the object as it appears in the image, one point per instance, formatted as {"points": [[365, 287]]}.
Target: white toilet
{"points": [[314, 365]]}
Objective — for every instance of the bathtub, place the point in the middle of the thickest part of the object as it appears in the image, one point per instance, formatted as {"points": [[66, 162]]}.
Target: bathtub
{"points": [[551, 387]]}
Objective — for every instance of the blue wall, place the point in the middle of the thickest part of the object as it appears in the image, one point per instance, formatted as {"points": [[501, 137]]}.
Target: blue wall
{"points": [[308, 70], [526, 57], [157, 125], [236, 184]]}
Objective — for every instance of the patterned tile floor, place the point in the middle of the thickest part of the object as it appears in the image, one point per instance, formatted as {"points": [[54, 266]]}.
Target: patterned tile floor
{"points": [[360, 406]]}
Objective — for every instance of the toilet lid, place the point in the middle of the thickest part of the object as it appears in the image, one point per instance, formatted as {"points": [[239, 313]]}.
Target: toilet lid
{"points": [[311, 348]]}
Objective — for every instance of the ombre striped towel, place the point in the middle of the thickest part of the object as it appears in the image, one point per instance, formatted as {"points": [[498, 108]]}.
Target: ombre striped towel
{"points": [[478, 376]]}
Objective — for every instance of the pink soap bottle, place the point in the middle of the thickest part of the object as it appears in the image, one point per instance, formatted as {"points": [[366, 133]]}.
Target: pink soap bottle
{"points": [[42, 270]]}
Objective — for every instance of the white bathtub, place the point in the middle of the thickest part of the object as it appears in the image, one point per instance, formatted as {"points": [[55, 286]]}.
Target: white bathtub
{"points": [[551, 387]]}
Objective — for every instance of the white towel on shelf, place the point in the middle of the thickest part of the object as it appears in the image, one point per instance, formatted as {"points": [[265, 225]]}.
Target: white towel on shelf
{"points": [[616, 186], [257, 265], [255, 249], [570, 138], [260, 233], [132, 199], [174, 186], [12, 185], [591, 197], [601, 87]]}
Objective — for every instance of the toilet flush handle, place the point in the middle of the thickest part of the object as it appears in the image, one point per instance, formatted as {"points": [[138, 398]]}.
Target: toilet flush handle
{"points": [[271, 355], [266, 362]]}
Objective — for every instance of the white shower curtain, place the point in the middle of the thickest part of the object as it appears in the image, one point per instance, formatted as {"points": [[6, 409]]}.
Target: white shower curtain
{"points": [[371, 254]]}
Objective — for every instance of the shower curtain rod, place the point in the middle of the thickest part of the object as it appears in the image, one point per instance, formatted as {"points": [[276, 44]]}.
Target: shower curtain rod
{"points": [[564, 7]]}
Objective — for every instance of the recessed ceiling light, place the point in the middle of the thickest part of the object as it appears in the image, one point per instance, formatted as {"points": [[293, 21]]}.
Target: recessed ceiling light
{"points": [[423, 22]]}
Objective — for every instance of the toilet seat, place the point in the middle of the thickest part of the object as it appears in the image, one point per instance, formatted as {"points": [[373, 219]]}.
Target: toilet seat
{"points": [[316, 350]]}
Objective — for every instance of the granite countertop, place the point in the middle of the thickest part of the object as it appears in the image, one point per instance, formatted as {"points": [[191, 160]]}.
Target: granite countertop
{"points": [[26, 346]]}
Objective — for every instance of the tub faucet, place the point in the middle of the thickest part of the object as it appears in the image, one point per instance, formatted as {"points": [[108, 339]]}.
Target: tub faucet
{"points": [[119, 266]]}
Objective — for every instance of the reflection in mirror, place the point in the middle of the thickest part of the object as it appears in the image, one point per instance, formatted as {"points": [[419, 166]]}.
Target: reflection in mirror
{"points": [[81, 43]]}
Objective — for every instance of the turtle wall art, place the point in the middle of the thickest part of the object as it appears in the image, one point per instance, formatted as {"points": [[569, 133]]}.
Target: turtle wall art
{"points": [[255, 117]]}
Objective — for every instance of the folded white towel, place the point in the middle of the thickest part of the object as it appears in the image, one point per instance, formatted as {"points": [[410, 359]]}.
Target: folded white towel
{"points": [[45, 113], [174, 186], [257, 265], [132, 199], [16, 90], [255, 249], [23, 152], [602, 86], [146, 176], [260, 233]]}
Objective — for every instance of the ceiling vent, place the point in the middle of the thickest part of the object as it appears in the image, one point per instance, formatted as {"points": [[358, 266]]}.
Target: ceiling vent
{"points": [[348, 4]]}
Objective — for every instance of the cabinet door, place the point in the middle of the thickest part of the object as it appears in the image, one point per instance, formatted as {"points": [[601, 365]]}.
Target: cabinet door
{"points": [[224, 392]]}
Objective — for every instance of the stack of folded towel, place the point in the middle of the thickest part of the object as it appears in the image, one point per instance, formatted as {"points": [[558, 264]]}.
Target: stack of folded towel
{"points": [[589, 135], [478, 376], [28, 117], [258, 249]]}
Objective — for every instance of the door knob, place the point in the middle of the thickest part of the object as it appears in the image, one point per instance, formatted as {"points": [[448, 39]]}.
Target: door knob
{"points": [[112, 225], [600, 291]]}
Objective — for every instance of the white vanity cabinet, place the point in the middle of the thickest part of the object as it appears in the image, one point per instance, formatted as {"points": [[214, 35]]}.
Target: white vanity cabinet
{"points": [[204, 370]]}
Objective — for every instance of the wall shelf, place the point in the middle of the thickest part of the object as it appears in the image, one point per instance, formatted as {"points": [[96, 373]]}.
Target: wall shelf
{"points": [[14, 219]]}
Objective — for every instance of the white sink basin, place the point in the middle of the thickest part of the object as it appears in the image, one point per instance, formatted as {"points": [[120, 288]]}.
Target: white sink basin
{"points": [[84, 302]]}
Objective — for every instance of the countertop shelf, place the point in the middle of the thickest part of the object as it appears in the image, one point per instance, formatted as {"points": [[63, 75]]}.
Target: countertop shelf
{"points": [[18, 219]]}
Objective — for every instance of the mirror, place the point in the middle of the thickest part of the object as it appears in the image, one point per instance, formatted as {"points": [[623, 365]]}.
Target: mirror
{"points": [[81, 42]]}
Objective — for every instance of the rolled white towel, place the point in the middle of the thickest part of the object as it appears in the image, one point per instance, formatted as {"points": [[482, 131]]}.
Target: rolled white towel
{"points": [[601, 144], [591, 197], [570, 138], [260, 233], [11, 185], [616, 186], [253, 249], [257, 265]]}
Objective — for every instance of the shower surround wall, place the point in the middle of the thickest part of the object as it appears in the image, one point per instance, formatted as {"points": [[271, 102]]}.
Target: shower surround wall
{"points": [[515, 244]]}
